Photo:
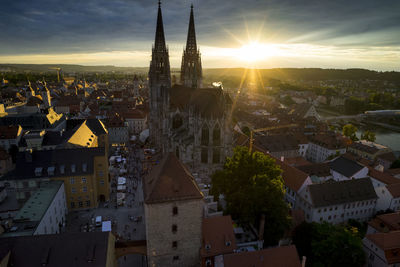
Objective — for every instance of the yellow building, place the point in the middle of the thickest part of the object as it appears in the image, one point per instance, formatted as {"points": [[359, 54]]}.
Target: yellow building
{"points": [[83, 170]]}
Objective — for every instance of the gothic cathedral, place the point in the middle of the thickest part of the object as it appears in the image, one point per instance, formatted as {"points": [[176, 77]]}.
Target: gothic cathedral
{"points": [[187, 119]]}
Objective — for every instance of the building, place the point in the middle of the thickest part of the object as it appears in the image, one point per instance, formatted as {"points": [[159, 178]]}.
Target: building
{"points": [[367, 149], [118, 133], [386, 160], [337, 202], [389, 197], [318, 172], [36, 121], [84, 172], [384, 223], [61, 250], [323, 146], [6, 163], [278, 146], [10, 136], [136, 120], [218, 239], [382, 249], [43, 213], [174, 209], [192, 122], [272, 257], [343, 168]]}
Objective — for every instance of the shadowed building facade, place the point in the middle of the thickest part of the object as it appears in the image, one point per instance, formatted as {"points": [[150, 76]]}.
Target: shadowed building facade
{"points": [[186, 119]]}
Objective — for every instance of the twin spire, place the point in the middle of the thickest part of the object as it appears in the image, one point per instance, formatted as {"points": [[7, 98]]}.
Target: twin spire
{"points": [[191, 70]]}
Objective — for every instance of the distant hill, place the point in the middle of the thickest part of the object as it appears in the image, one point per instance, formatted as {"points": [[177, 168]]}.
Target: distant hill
{"points": [[222, 74]]}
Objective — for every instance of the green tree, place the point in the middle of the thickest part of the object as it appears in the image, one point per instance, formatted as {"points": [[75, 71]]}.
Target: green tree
{"points": [[329, 245], [350, 130], [395, 164], [369, 136], [252, 186]]}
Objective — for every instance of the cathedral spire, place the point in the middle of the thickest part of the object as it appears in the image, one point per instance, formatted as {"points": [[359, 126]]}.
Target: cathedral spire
{"points": [[159, 44], [191, 71], [191, 44]]}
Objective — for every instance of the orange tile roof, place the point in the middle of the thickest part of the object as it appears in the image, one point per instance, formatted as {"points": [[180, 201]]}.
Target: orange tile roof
{"points": [[384, 177], [389, 243], [386, 222], [292, 177], [169, 181], [273, 257], [394, 190], [217, 231]]}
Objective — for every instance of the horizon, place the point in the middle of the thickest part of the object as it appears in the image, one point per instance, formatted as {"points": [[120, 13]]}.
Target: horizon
{"points": [[271, 34]]}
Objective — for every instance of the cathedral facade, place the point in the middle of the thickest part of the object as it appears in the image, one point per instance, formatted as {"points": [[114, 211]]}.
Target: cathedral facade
{"points": [[187, 119]]}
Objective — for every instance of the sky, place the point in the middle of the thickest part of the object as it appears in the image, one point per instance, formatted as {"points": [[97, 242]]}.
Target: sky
{"points": [[234, 33]]}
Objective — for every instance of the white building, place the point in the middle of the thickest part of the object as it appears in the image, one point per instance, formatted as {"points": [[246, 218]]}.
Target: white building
{"points": [[337, 202], [43, 213], [389, 197], [382, 249], [344, 169], [323, 146], [136, 121]]}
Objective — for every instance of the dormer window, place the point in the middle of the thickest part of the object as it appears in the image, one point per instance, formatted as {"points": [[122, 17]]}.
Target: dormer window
{"points": [[228, 243], [62, 169], [73, 168], [84, 167], [50, 171], [38, 171], [208, 246]]}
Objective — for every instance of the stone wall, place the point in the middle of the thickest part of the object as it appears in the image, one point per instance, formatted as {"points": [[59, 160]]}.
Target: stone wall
{"points": [[160, 236]]}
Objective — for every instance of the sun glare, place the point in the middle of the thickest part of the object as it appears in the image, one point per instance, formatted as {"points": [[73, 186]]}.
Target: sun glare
{"points": [[254, 52]]}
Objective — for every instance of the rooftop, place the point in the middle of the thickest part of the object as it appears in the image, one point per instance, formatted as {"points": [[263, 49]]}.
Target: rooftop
{"points": [[345, 166], [334, 193], [61, 250], [386, 222], [169, 181], [389, 243], [218, 236]]}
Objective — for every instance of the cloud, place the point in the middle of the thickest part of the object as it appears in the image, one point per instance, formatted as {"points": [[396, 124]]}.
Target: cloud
{"points": [[95, 26]]}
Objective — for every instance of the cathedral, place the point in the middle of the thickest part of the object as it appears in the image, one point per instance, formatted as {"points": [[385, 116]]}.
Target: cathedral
{"points": [[187, 119]]}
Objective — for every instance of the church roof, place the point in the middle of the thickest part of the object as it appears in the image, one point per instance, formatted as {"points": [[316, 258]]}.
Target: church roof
{"points": [[170, 181], [209, 102]]}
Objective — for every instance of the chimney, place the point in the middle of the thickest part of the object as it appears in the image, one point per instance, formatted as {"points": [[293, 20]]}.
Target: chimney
{"points": [[380, 168], [261, 229], [303, 261]]}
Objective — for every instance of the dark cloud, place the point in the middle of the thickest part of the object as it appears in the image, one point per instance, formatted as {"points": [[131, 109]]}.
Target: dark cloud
{"points": [[60, 26]]}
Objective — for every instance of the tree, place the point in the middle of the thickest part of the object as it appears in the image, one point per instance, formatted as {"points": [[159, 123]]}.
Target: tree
{"points": [[252, 186], [329, 245], [369, 136], [350, 130], [395, 164]]}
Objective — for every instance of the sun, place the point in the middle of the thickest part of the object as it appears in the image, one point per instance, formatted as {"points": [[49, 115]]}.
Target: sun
{"points": [[254, 52]]}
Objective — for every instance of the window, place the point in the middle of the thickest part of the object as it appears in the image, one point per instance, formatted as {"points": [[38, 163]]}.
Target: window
{"points": [[175, 211], [101, 173], [216, 136], [204, 135], [101, 182], [80, 203], [174, 228], [72, 205], [175, 258], [84, 189], [72, 181], [73, 190], [84, 180], [88, 203], [175, 244]]}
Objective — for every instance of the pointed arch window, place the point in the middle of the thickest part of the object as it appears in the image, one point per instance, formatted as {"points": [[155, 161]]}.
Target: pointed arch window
{"points": [[204, 135], [216, 136]]}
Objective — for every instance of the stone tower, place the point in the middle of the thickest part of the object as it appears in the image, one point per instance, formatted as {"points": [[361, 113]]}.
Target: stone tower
{"points": [[191, 70], [174, 213], [159, 85], [46, 97], [136, 86]]}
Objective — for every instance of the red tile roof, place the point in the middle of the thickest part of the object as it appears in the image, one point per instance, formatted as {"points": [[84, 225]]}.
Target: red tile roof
{"points": [[169, 181], [389, 243], [384, 177], [394, 190], [218, 236], [292, 177]]}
